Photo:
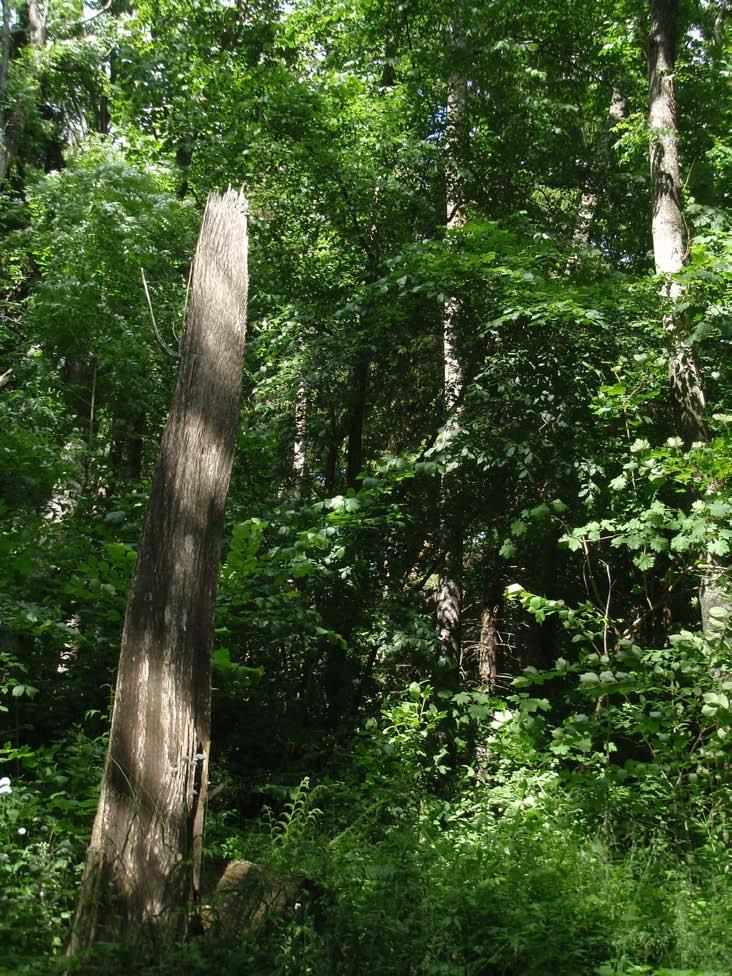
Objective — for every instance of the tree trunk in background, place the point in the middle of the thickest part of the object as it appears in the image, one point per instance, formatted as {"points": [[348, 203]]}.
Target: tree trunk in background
{"points": [[489, 637], [362, 365], [668, 221], [589, 198], [449, 592], [669, 246], [298, 447], [717, 32], [4, 67], [126, 452], [356, 418], [144, 858], [488, 649], [330, 462], [36, 25]]}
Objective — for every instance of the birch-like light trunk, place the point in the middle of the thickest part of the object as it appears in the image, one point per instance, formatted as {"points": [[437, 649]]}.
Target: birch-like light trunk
{"points": [[669, 237], [450, 591], [143, 863], [670, 248], [298, 446]]}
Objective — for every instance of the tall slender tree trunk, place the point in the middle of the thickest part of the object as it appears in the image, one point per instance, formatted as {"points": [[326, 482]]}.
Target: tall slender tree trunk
{"points": [[362, 366], [721, 16], [126, 451], [669, 243], [36, 24], [450, 590], [589, 199], [670, 249], [298, 447], [13, 122], [489, 639], [330, 462], [4, 68], [668, 221], [143, 862], [356, 420]]}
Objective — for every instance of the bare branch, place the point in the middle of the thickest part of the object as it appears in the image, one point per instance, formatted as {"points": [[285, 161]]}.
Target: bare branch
{"points": [[97, 13], [160, 339]]}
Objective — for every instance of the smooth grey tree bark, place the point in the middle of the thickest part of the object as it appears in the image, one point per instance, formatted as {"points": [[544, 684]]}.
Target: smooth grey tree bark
{"points": [[143, 863], [669, 232], [670, 250]]}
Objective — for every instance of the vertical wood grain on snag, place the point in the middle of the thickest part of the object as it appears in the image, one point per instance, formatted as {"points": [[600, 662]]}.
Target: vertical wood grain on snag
{"points": [[146, 841]]}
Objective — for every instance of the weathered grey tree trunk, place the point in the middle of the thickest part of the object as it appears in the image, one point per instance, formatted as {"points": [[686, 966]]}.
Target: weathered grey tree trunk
{"points": [[668, 221], [36, 24], [669, 244], [488, 648], [449, 591], [489, 636], [144, 858], [670, 249]]}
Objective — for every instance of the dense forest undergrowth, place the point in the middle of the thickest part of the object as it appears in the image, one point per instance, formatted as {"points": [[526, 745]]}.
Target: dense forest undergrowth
{"points": [[471, 660]]}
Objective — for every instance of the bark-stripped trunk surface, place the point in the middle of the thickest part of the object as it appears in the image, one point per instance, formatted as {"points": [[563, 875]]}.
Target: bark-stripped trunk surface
{"points": [[669, 247], [449, 591], [144, 859]]}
